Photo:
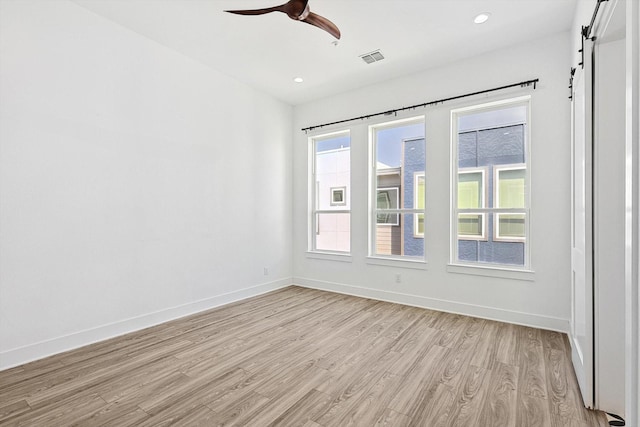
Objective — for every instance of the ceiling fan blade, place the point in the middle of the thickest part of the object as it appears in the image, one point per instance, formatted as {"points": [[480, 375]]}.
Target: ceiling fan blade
{"points": [[324, 23], [258, 11]]}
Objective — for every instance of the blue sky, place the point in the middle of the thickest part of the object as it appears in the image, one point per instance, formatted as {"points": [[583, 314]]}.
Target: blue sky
{"points": [[389, 142]]}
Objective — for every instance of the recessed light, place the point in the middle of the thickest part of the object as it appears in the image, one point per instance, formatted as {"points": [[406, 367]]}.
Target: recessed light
{"points": [[482, 18], [298, 80]]}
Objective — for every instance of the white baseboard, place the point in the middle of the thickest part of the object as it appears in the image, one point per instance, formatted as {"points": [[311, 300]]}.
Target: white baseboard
{"points": [[22, 355], [491, 313]]}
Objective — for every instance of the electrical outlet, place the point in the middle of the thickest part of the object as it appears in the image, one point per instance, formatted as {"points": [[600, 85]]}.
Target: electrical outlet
{"points": [[266, 271], [398, 278]]}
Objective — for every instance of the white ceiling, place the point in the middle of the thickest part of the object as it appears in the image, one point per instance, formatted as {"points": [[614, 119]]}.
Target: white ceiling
{"points": [[268, 51]]}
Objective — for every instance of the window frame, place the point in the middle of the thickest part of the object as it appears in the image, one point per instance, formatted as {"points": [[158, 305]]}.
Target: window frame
{"points": [[453, 166], [314, 196], [373, 176]]}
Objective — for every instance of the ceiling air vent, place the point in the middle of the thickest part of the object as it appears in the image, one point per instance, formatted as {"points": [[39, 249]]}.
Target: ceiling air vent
{"points": [[372, 57]]}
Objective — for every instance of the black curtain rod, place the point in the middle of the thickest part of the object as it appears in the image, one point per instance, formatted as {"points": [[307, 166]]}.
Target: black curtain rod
{"points": [[425, 104]]}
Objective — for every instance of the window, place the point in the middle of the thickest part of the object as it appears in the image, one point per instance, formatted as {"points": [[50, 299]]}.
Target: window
{"points": [[338, 197], [387, 199], [471, 195], [398, 189], [509, 190], [330, 183], [490, 191]]}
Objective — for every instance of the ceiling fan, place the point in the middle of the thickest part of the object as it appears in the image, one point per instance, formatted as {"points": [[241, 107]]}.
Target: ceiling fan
{"points": [[297, 10]]}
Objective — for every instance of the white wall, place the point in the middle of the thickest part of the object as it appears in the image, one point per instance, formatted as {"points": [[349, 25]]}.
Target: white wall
{"points": [[543, 301], [136, 185]]}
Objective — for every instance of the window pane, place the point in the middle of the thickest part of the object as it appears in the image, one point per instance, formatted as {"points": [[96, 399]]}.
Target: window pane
{"points": [[419, 196], [470, 225], [470, 188], [491, 168], [511, 225], [418, 219], [333, 176], [401, 239], [420, 224], [483, 251], [333, 232], [399, 150], [511, 188]]}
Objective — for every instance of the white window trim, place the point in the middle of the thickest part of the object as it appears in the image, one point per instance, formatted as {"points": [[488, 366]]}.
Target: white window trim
{"points": [[373, 170], [469, 268], [313, 200], [496, 196], [483, 203]]}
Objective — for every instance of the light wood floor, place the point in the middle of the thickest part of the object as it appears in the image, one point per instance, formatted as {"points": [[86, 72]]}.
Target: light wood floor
{"points": [[307, 358]]}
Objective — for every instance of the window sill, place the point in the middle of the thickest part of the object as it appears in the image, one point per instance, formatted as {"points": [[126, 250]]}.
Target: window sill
{"points": [[397, 262], [501, 272], [329, 256]]}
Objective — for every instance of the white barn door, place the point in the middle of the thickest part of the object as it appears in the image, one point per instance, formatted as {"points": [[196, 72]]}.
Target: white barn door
{"points": [[581, 333]]}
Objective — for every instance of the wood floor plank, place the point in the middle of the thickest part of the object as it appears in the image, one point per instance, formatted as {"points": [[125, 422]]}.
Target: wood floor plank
{"points": [[508, 344], [369, 407], [351, 394], [563, 399], [11, 409], [67, 411], [531, 379], [466, 408], [436, 410], [241, 411], [199, 417], [532, 411], [294, 388], [417, 381], [115, 414], [391, 418], [304, 357], [486, 354], [499, 408], [192, 394], [452, 327], [67, 387], [303, 411]]}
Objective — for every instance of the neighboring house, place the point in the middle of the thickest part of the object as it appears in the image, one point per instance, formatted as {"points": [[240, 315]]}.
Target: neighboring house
{"points": [[492, 164], [333, 192]]}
